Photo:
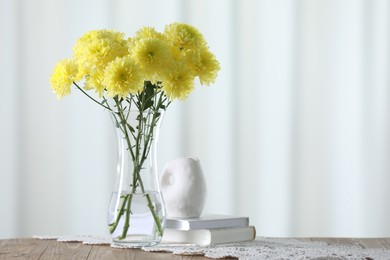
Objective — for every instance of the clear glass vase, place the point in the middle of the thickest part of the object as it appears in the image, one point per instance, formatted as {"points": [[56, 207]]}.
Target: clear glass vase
{"points": [[136, 214]]}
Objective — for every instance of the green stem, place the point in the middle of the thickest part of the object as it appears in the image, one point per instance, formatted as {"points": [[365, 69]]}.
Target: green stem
{"points": [[151, 128], [114, 225], [94, 100], [147, 146], [127, 219], [122, 124]]}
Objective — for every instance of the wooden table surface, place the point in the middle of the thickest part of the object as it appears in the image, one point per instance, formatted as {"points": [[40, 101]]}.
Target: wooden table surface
{"points": [[30, 248]]}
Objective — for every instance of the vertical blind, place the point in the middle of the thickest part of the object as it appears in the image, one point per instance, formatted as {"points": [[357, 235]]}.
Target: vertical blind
{"points": [[293, 134]]}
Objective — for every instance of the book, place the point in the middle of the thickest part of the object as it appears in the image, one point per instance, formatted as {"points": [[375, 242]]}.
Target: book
{"points": [[205, 237], [207, 222]]}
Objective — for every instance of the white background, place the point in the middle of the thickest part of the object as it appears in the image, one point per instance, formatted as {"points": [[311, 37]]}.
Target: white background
{"points": [[294, 133]]}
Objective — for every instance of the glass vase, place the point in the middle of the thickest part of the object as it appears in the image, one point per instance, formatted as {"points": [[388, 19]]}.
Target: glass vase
{"points": [[136, 214]]}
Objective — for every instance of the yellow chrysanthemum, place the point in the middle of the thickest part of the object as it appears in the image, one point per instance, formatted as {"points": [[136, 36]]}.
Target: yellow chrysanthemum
{"points": [[65, 72], [147, 32], [122, 76], [179, 82], [95, 49], [109, 62], [184, 36], [205, 66], [153, 57], [95, 81]]}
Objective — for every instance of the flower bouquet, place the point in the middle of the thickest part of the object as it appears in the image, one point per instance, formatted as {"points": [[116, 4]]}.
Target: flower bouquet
{"points": [[136, 79]]}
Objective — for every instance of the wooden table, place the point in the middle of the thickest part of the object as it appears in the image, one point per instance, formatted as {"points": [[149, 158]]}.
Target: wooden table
{"points": [[30, 248]]}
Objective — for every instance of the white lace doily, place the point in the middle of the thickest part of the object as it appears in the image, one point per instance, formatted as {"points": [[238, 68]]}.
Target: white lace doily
{"points": [[261, 248]]}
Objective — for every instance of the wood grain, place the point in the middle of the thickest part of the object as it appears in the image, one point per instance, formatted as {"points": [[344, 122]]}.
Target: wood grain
{"points": [[69, 250], [23, 248], [30, 248]]}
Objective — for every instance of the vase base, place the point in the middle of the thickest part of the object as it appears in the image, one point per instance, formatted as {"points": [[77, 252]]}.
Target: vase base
{"points": [[135, 242]]}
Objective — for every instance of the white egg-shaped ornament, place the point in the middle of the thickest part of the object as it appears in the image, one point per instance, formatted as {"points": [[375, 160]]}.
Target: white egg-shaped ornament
{"points": [[184, 188]]}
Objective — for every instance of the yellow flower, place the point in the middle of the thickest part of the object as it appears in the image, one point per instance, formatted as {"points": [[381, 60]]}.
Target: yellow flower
{"points": [[147, 32], [95, 81], [152, 55], [184, 36], [179, 82], [109, 62], [122, 76], [205, 66], [64, 74], [95, 49]]}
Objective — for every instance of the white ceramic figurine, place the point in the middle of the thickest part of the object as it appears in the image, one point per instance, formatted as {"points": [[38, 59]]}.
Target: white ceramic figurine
{"points": [[184, 188]]}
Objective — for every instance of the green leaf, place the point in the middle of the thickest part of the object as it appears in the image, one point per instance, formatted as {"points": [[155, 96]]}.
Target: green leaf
{"points": [[131, 128], [148, 94], [138, 117], [149, 104]]}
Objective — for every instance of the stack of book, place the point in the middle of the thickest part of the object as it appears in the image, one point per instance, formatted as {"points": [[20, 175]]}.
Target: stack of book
{"points": [[208, 230]]}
